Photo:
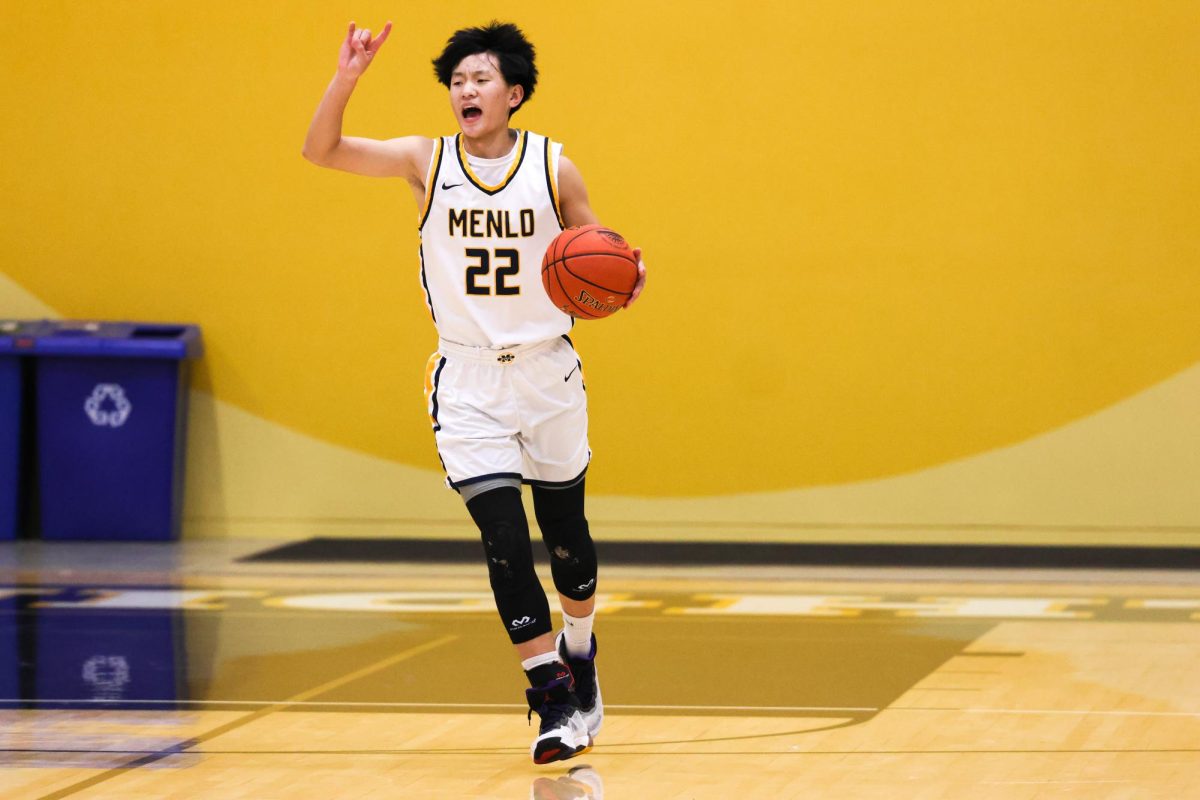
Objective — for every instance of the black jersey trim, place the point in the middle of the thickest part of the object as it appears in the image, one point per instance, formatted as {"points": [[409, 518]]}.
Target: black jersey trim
{"points": [[529, 481], [461, 152], [558, 484], [552, 186], [431, 185], [442, 461], [433, 410], [425, 284]]}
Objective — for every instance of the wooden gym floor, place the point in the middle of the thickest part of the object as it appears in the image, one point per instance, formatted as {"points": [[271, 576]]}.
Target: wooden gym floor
{"points": [[176, 671]]}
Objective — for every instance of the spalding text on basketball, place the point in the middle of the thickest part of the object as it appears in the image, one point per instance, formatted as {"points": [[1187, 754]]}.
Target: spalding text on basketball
{"points": [[587, 300]]}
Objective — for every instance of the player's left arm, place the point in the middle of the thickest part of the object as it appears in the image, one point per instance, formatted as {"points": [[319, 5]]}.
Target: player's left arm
{"points": [[573, 202]]}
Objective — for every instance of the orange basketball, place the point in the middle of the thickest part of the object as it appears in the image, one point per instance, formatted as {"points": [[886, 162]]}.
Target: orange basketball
{"points": [[589, 271]]}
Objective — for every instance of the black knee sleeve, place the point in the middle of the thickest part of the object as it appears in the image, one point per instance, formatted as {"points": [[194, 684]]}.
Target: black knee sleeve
{"points": [[505, 533], [564, 527]]}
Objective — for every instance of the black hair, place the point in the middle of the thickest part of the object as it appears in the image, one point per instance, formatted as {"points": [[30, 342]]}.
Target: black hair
{"points": [[503, 39]]}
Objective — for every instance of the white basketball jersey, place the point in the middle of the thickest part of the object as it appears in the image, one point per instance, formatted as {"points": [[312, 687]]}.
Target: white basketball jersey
{"points": [[482, 243]]}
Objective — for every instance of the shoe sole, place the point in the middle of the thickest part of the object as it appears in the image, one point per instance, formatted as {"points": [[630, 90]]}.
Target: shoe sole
{"points": [[555, 750], [560, 748]]}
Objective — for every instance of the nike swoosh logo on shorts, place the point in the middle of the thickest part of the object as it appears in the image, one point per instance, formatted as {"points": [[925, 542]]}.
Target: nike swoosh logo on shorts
{"points": [[569, 374]]}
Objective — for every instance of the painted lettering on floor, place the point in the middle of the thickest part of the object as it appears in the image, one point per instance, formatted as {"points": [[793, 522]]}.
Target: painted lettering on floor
{"points": [[724, 605]]}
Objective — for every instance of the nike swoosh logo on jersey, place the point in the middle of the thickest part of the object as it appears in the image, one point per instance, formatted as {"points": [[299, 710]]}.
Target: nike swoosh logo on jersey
{"points": [[450, 185], [569, 374]]}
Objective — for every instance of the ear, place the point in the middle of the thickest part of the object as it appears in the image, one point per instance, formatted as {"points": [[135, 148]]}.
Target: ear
{"points": [[516, 96]]}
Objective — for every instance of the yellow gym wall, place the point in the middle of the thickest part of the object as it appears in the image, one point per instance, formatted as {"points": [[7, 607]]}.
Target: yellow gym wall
{"points": [[920, 270]]}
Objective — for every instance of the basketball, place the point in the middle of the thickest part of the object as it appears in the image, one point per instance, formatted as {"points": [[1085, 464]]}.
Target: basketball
{"points": [[589, 271]]}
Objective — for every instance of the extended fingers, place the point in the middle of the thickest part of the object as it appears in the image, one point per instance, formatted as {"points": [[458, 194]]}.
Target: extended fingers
{"points": [[360, 40], [382, 37]]}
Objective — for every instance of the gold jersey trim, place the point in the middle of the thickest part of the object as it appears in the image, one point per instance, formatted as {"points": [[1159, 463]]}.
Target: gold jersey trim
{"points": [[552, 185], [431, 183], [461, 148]]}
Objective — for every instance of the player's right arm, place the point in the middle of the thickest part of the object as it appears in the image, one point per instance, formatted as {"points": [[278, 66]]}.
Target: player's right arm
{"points": [[325, 146]]}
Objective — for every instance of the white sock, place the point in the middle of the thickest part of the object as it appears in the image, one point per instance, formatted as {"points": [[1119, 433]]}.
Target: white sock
{"points": [[539, 660], [578, 634]]}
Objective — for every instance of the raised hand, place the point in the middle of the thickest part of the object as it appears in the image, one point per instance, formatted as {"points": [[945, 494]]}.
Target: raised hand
{"points": [[359, 49]]}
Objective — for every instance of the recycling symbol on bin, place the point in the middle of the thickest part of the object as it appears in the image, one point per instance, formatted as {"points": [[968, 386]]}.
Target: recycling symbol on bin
{"points": [[108, 405]]}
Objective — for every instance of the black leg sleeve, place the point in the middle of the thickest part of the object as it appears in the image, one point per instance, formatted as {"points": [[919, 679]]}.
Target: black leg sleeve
{"points": [[505, 532], [565, 530]]}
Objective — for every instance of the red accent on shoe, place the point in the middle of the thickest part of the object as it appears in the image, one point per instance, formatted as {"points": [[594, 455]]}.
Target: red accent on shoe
{"points": [[548, 756]]}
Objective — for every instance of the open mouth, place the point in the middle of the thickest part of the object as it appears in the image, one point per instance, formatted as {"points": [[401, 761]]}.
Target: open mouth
{"points": [[472, 112]]}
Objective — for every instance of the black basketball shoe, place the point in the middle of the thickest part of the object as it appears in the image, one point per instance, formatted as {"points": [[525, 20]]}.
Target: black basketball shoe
{"points": [[587, 684], [562, 732]]}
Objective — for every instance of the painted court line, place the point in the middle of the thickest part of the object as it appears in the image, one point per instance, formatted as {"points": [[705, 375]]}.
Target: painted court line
{"points": [[299, 703], [124, 704]]}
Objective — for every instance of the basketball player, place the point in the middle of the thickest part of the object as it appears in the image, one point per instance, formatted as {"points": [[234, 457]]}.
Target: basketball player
{"points": [[505, 389]]}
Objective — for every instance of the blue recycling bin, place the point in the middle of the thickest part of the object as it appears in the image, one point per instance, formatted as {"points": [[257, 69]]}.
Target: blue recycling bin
{"points": [[16, 341], [111, 413]]}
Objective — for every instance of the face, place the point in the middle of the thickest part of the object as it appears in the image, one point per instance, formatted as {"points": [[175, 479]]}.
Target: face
{"points": [[479, 95]]}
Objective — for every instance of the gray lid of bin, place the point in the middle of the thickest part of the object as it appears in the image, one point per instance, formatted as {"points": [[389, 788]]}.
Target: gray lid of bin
{"points": [[117, 340], [17, 336]]}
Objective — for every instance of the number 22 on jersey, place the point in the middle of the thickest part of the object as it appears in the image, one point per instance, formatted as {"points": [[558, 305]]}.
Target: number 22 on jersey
{"points": [[482, 266]]}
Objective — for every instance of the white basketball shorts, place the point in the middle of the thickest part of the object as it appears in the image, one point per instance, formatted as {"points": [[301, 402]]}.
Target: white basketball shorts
{"points": [[519, 412]]}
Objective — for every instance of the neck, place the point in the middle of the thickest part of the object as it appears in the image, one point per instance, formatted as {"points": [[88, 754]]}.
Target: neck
{"points": [[490, 145]]}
